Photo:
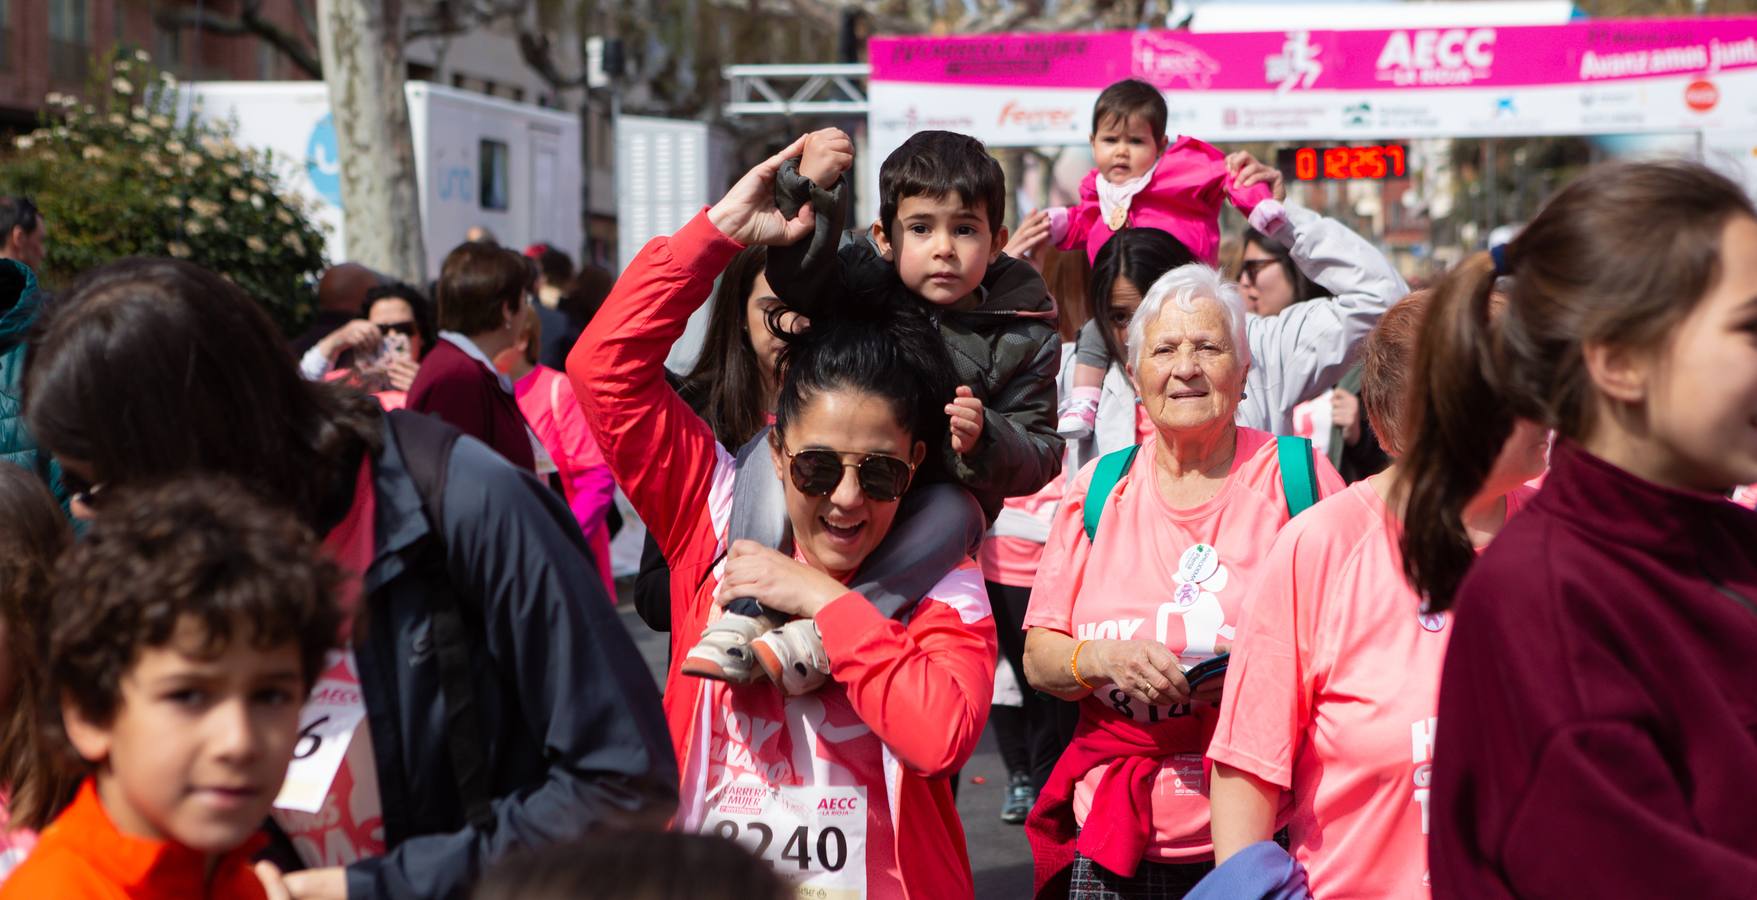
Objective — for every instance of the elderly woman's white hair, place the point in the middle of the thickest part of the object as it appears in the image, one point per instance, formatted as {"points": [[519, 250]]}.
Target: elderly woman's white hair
{"points": [[1184, 286]]}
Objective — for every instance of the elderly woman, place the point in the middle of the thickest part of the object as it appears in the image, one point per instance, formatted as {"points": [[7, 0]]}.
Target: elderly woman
{"points": [[1143, 577]]}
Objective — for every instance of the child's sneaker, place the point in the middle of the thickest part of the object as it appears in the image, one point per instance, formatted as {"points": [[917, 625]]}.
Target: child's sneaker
{"points": [[1081, 416], [793, 657], [724, 652]]}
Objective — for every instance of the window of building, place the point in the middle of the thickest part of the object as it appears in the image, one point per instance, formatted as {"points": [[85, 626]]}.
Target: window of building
{"points": [[493, 161], [5, 34], [421, 72], [68, 39]]}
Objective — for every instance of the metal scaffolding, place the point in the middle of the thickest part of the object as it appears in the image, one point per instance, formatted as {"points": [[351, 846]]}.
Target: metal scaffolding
{"points": [[820, 89]]}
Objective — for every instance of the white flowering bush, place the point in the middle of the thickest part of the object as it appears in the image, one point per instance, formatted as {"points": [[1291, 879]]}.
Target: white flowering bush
{"points": [[118, 175]]}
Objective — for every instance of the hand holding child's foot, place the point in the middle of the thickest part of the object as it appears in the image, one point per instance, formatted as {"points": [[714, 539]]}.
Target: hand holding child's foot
{"points": [[828, 153], [966, 419], [748, 215]]}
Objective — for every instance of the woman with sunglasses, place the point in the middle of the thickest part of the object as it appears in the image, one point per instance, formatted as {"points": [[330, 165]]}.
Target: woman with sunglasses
{"points": [[1149, 559], [844, 788]]}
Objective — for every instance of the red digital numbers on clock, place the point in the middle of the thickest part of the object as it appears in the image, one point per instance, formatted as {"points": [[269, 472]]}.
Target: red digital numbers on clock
{"points": [[1371, 163]]}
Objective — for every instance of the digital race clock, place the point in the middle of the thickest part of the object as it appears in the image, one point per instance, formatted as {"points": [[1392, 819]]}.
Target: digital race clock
{"points": [[1373, 162]]}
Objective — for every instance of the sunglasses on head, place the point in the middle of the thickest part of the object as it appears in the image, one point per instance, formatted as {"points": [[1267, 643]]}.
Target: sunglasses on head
{"points": [[817, 472], [1250, 268], [406, 329]]}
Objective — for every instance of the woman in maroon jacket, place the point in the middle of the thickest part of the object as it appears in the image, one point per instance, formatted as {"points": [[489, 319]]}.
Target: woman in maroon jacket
{"points": [[481, 303], [1597, 727]]}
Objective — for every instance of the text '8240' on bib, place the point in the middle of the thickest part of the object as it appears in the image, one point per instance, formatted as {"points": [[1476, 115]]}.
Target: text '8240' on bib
{"points": [[815, 836]]}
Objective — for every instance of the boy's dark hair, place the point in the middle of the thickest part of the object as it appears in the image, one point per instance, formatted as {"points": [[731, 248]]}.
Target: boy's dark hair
{"points": [[1131, 98], [199, 547], [666, 865], [935, 164], [477, 282]]}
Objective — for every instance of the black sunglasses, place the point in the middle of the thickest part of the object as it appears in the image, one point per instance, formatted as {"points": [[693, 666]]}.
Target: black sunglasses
{"points": [[1249, 269], [817, 472], [406, 329]]}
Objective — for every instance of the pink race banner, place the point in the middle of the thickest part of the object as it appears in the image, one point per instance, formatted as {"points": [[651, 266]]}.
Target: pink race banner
{"points": [[1508, 56]]}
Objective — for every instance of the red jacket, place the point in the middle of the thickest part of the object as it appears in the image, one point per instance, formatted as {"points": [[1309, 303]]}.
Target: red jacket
{"points": [[1120, 824], [921, 688], [462, 391], [81, 856]]}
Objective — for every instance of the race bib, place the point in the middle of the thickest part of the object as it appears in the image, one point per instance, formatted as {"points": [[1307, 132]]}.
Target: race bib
{"points": [[815, 836], [326, 727]]}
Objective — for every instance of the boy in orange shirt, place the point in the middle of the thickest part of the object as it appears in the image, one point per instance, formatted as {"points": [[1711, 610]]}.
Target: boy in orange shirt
{"points": [[189, 625]]}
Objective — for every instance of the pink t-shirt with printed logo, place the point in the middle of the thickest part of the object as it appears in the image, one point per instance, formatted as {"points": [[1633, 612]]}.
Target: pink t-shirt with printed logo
{"points": [[1176, 576], [1332, 692]]}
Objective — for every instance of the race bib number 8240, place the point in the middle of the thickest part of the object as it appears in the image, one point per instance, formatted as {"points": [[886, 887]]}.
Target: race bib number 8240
{"points": [[815, 836]]}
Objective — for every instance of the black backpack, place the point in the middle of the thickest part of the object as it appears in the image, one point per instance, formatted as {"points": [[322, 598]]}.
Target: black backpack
{"points": [[426, 444]]}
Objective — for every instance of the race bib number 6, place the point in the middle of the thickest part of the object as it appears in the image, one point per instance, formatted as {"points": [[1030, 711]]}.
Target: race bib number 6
{"points": [[815, 836]]}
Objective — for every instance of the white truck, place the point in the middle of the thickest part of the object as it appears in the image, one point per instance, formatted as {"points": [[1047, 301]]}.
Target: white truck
{"points": [[512, 168]]}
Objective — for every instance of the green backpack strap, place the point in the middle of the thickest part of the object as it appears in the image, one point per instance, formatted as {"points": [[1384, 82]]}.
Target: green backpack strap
{"points": [[1299, 475], [1111, 468]]}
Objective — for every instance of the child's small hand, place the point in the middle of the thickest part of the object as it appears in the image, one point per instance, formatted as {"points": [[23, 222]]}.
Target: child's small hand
{"points": [[1032, 234], [966, 417], [828, 153], [1246, 171]]}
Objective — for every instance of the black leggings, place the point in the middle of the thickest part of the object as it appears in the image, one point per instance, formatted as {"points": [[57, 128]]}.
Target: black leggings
{"points": [[1034, 739]]}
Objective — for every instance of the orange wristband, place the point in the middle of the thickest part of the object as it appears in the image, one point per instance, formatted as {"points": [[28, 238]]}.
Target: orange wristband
{"points": [[1074, 667]]}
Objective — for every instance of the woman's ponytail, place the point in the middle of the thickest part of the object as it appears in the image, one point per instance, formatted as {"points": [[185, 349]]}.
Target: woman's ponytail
{"points": [[1457, 422]]}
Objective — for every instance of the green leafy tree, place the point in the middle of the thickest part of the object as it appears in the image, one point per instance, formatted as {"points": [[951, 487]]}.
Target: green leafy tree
{"points": [[124, 174]]}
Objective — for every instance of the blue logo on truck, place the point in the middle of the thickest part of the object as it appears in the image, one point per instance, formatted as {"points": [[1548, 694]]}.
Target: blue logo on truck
{"points": [[322, 163]]}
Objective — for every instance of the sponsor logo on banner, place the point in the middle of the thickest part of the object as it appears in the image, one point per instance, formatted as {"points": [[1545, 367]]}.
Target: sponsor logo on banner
{"points": [[1276, 118], [1163, 62], [1037, 119], [1391, 118], [1437, 57], [1297, 66], [911, 120], [1702, 95]]}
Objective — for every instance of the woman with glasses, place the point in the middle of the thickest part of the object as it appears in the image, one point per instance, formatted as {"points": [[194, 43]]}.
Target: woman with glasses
{"points": [[1149, 559], [844, 788], [383, 348]]}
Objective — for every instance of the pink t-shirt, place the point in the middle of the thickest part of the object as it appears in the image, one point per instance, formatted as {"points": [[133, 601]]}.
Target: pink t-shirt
{"points": [[1007, 556], [1332, 692], [1177, 576]]}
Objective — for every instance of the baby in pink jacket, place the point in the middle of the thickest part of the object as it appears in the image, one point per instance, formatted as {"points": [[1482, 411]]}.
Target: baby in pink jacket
{"points": [[1142, 180]]}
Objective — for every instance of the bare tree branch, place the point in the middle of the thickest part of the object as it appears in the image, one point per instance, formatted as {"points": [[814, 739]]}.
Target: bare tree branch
{"points": [[534, 48], [248, 22]]}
